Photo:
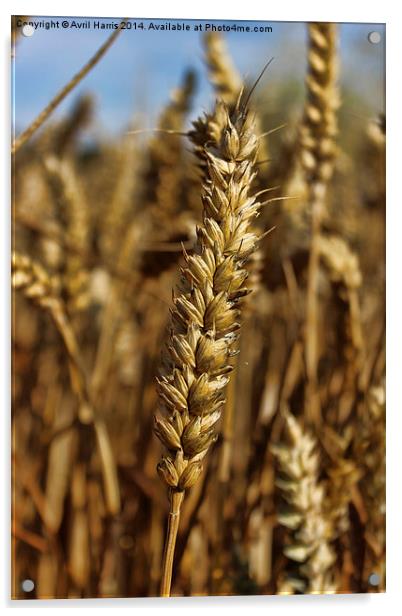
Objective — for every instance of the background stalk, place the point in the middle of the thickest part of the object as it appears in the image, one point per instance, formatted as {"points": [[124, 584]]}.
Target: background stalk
{"points": [[176, 499]]}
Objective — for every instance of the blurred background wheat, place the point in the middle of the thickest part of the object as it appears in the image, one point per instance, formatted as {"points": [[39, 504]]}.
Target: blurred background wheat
{"points": [[292, 494]]}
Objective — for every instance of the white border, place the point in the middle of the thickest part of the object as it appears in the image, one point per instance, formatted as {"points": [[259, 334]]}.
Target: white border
{"points": [[338, 10]]}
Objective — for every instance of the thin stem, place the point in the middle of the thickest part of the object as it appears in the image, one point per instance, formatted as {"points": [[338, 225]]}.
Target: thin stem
{"points": [[45, 113], [176, 499], [80, 387], [223, 476], [227, 434], [312, 401]]}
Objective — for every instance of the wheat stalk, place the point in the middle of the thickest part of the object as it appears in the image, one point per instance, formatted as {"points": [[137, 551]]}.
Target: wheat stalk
{"points": [[16, 31], [60, 96], [318, 131], [205, 316], [317, 153], [370, 447], [79, 548], [37, 286], [304, 515]]}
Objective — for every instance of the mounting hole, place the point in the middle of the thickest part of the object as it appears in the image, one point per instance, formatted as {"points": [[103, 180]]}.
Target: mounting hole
{"points": [[27, 585], [374, 37], [374, 579], [28, 30]]}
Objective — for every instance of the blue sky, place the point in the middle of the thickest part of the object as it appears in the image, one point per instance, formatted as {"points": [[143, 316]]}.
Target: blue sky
{"points": [[142, 67]]}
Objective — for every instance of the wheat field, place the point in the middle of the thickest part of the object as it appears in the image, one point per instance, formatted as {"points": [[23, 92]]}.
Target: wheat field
{"points": [[198, 343]]}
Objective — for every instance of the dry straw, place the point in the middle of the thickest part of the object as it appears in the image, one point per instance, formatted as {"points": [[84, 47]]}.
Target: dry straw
{"points": [[206, 316], [317, 153], [370, 447], [117, 248], [37, 286]]}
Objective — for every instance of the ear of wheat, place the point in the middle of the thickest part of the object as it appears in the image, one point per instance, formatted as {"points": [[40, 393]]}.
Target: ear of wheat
{"points": [[228, 83], [205, 316], [72, 211], [319, 127], [222, 72], [163, 178], [304, 515], [65, 135], [343, 475], [344, 272]]}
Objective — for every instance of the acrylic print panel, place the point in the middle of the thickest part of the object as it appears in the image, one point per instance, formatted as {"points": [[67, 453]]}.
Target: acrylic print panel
{"points": [[198, 308]]}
